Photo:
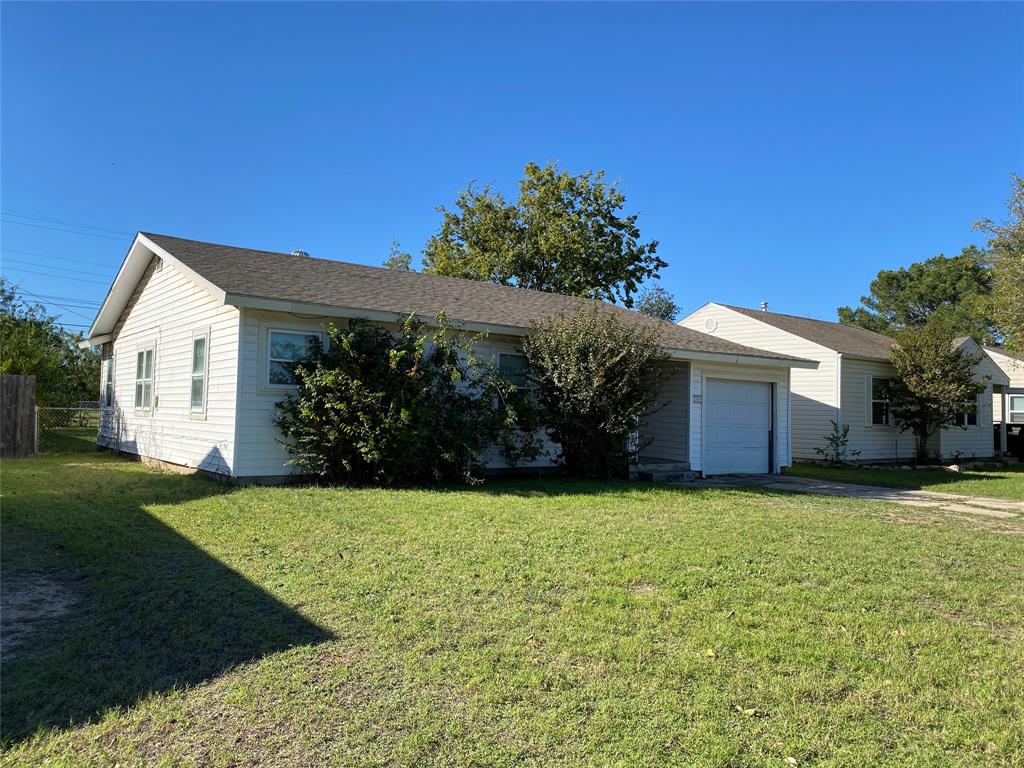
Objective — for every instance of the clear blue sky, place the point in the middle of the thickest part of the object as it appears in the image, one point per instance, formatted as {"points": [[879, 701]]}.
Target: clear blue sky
{"points": [[778, 152]]}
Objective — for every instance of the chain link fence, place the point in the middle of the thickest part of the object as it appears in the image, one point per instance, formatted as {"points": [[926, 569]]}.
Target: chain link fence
{"points": [[67, 430]]}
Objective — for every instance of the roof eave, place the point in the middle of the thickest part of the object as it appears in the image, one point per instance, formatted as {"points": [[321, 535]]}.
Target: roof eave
{"points": [[330, 310]]}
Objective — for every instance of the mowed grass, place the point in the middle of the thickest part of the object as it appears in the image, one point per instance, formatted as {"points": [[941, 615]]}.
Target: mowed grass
{"points": [[523, 623], [997, 483]]}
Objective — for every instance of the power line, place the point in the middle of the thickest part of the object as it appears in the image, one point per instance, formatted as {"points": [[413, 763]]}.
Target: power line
{"points": [[38, 217], [47, 256], [64, 277], [47, 266], [66, 231], [71, 299], [54, 304]]}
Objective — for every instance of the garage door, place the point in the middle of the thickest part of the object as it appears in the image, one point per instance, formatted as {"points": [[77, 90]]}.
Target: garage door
{"points": [[737, 421]]}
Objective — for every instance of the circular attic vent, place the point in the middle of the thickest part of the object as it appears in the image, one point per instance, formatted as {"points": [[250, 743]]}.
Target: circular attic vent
{"points": [[710, 325]]}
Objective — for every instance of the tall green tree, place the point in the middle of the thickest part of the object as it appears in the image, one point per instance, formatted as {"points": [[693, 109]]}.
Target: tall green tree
{"points": [[954, 290], [1006, 250], [32, 343], [594, 378], [565, 234], [657, 302], [934, 383]]}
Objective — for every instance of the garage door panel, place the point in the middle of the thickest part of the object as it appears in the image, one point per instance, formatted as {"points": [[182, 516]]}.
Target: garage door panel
{"points": [[737, 421]]}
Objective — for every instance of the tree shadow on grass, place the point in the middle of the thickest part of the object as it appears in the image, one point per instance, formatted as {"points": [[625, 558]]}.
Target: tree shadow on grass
{"points": [[139, 608]]}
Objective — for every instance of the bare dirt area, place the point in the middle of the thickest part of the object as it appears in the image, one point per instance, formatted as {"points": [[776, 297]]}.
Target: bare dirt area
{"points": [[29, 601]]}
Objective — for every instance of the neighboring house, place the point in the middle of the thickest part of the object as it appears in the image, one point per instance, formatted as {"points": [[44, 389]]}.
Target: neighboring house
{"points": [[198, 343], [848, 386], [1008, 400]]}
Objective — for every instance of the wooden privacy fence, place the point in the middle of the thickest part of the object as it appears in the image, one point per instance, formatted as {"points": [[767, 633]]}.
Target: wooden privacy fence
{"points": [[17, 416]]}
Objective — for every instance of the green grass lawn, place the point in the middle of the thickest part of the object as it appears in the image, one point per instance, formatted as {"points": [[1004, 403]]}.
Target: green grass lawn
{"points": [[521, 623], [1001, 483]]}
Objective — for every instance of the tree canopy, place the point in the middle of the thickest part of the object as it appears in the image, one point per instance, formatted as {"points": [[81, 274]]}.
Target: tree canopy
{"points": [[952, 289], [594, 379], [1006, 251], [33, 343], [398, 259], [657, 302], [934, 383], [565, 234]]}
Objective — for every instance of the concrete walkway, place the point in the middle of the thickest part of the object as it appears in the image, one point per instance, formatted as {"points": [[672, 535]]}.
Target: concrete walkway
{"points": [[949, 502]]}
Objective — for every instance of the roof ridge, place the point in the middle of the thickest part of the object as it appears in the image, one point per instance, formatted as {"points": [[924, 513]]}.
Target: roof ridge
{"points": [[850, 326]]}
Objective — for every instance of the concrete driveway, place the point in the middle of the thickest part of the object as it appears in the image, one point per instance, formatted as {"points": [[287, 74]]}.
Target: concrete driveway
{"points": [[949, 502]]}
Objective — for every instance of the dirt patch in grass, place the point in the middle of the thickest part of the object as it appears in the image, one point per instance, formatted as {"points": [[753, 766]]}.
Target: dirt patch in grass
{"points": [[29, 603]]}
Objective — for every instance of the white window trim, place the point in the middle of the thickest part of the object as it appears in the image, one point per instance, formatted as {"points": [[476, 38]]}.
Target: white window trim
{"points": [[199, 333], [268, 359], [1010, 410], [869, 420], [108, 381], [151, 348], [977, 416], [514, 354]]}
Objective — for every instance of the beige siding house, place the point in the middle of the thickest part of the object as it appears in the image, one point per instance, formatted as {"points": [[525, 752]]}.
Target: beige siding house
{"points": [[198, 340], [1008, 400], [848, 385]]}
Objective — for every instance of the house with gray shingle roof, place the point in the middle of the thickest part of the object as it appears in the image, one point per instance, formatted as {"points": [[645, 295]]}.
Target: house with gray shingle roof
{"points": [[848, 386], [199, 340]]}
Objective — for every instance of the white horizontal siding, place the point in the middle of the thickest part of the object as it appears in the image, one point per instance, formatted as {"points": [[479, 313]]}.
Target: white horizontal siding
{"points": [[878, 441], [814, 391], [1015, 370], [664, 433], [973, 441], [166, 310], [259, 450]]}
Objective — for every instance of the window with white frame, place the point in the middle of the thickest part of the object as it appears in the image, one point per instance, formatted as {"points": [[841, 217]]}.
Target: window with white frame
{"points": [[284, 350], [200, 363], [880, 409], [108, 382], [968, 415], [144, 378], [513, 367], [1016, 409]]}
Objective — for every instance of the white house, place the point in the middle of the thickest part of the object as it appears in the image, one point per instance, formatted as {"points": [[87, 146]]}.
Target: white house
{"points": [[848, 386], [1008, 400], [198, 341]]}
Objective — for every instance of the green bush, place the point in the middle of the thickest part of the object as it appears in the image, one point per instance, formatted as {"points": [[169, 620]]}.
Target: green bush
{"points": [[595, 377], [402, 408]]}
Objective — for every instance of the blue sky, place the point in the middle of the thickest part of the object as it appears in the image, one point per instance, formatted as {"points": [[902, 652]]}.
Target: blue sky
{"points": [[778, 152]]}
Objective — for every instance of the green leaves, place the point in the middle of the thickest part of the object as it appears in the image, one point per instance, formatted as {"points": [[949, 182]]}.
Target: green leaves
{"points": [[935, 380], [401, 408], [564, 235], [595, 377]]}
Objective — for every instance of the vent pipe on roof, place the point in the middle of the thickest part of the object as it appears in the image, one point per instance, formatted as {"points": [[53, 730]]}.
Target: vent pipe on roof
{"points": [[764, 306], [299, 253]]}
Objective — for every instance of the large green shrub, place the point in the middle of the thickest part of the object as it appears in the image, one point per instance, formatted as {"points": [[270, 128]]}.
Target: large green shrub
{"points": [[595, 377], [375, 406]]}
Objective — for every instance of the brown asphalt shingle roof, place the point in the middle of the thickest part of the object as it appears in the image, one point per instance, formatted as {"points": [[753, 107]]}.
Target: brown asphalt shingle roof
{"points": [[849, 339], [286, 277]]}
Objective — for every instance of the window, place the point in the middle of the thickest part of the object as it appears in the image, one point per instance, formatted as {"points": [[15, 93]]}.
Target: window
{"points": [[513, 368], [968, 417], [1016, 409], [199, 357], [108, 382], [880, 401], [144, 379], [284, 350]]}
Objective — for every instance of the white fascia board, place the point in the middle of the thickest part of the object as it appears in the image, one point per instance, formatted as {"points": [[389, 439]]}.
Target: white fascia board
{"points": [[140, 253], [764, 362], [326, 311], [329, 310], [698, 309]]}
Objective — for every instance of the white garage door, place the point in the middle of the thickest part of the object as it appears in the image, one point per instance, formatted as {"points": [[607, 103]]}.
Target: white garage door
{"points": [[737, 420]]}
